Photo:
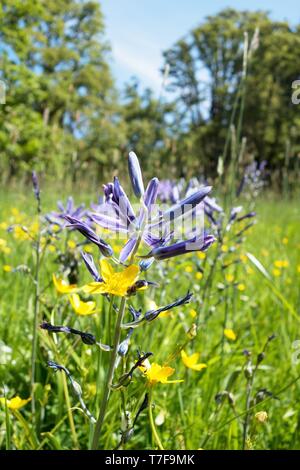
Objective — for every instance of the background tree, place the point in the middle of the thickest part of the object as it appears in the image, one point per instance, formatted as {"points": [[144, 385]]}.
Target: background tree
{"points": [[205, 72], [53, 58]]}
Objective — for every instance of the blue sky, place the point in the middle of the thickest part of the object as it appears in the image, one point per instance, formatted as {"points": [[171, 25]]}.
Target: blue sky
{"points": [[139, 30]]}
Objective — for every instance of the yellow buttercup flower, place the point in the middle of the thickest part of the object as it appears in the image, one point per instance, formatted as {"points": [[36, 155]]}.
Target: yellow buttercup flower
{"points": [[281, 263], [20, 233], [88, 248], [15, 403], [156, 373], [191, 361], [243, 258], [229, 277], [189, 269], [224, 248], [199, 276], [285, 240], [7, 268], [71, 244], [63, 287], [115, 283], [80, 307], [230, 334], [193, 313], [201, 254], [276, 272], [241, 287]]}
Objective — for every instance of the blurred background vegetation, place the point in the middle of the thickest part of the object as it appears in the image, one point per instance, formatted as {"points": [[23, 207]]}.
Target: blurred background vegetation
{"points": [[65, 118]]}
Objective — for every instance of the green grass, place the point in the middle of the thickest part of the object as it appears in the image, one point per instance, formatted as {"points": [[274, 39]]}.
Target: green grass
{"points": [[189, 417]]}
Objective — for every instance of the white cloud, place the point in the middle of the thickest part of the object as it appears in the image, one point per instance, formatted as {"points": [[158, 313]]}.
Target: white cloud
{"points": [[139, 64]]}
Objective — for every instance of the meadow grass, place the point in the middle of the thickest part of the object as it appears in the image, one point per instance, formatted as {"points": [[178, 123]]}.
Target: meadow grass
{"points": [[186, 415]]}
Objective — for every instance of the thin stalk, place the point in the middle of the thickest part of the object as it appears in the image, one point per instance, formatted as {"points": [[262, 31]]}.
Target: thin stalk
{"points": [[114, 357], [248, 403], [111, 303], [35, 316], [152, 424], [110, 375], [7, 428], [70, 415]]}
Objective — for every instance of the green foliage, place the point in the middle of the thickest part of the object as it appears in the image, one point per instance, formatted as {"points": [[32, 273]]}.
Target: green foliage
{"points": [[206, 69], [59, 84]]}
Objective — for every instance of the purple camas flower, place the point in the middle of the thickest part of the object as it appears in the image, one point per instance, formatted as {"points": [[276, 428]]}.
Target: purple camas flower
{"points": [[89, 234], [155, 226], [58, 217], [182, 247], [174, 191]]}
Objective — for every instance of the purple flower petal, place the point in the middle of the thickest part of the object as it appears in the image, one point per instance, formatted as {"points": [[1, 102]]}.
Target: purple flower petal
{"points": [[186, 204], [127, 249], [89, 262], [180, 248], [108, 222], [135, 174], [88, 233]]}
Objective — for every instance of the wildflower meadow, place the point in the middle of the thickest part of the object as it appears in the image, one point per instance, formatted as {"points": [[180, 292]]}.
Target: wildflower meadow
{"points": [[148, 301]]}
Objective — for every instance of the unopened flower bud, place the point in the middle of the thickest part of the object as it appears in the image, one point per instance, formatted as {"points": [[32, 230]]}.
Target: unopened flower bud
{"points": [[260, 357], [248, 371], [135, 175], [261, 416], [192, 332]]}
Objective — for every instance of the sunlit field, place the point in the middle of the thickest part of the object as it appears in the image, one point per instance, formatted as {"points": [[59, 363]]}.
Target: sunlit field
{"points": [[230, 353]]}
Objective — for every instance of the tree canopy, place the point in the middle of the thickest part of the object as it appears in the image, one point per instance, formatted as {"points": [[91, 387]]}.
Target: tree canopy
{"points": [[64, 116]]}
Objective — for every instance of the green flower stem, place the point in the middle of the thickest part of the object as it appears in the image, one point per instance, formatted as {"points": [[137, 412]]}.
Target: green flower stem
{"points": [[35, 319], [152, 424], [110, 375], [114, 357], [70, 415]]}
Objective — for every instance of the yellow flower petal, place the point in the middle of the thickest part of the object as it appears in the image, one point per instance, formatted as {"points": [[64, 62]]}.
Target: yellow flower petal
{"points": [[116, 283], [230, 334], [157, 373], [191, 361], [63, 287], [199, 366], [80, 307], [94, 288], [15, 403], [106, 270], [130, 275]]}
